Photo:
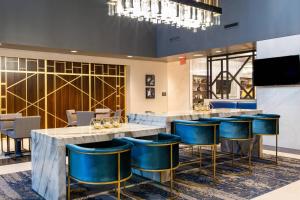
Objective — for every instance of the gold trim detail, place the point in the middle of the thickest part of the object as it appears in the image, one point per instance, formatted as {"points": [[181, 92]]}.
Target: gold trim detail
{"points": [[34, 85]]}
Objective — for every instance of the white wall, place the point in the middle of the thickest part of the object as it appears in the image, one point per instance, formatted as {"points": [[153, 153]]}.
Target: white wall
{"points": [[136, 86], [136, 70], [282, 100], [178, 86]]}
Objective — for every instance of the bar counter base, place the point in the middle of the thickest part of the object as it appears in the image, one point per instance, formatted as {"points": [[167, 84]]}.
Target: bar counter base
{"points": [[49, 152]]}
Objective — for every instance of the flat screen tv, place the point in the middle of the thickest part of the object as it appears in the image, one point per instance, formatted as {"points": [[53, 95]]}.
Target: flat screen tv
{"points": [[277, 71]]}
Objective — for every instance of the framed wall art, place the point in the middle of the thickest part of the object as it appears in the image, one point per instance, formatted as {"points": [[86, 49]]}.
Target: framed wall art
{"points": [[150, 80]]}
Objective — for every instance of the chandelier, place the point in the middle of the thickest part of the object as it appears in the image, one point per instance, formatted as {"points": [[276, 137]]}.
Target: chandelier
{"points": [[190, 14]]}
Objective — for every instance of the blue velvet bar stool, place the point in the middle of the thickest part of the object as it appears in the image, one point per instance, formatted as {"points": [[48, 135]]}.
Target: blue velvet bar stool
{"points": [[265, 125], [100, 163], [203, 132], [236, 129], [159, 153]]}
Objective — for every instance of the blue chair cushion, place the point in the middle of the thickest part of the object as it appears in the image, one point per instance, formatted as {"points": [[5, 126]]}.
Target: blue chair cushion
{"points": [[98, 163], [246, 105], [199, 132], [234, 127], [224, 104], [154, 153], [264, 124]]}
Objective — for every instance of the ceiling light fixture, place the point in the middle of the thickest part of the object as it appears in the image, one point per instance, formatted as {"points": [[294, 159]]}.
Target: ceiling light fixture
{"points": [[129, 56], [74, 51], [198, 55], [190, 14], [218, 51]]}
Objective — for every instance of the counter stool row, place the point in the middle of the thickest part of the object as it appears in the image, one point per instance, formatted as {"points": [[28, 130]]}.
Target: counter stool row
{"points": [[111, 162]]}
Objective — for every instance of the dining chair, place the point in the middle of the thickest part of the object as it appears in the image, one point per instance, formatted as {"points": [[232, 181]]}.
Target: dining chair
{"points": [[22, 127], [84, 117], [6, 122], [72, 117], [102, 113]]}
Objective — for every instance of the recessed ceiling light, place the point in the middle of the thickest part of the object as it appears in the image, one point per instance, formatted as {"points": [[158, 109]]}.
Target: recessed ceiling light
{"points": [[0, 44], [181, 57], [218, 51], [198, 55], [74, 51], [129, 56]]}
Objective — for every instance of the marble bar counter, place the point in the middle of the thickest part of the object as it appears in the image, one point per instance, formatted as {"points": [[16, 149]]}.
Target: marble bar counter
{"points": [[48, 154], [165, 120]]}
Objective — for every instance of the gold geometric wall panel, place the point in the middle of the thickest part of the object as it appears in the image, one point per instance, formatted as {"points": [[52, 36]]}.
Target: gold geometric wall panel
{"points": [[48, 88]]}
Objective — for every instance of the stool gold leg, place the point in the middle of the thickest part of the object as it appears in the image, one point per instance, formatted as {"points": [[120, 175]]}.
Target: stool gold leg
{"points": [[200, 154], [214, 164], [276, 148], [171, 170], [171, 183], [250, 156], [232, 153], [212, 157], [119, 191], [69, 190], [119, 177]]}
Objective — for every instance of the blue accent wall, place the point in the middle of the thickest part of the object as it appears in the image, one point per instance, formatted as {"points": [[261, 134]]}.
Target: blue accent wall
{"points": [[74, 24], [258, 20]]}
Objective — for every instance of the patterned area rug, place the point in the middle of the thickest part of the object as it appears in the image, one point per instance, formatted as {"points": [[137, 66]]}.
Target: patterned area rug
{"points": [[190, 182]]}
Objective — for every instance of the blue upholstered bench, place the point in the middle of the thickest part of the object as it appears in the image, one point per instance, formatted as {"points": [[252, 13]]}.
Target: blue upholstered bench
{"points": [[233, 104], [246, 105], [224, 104]]}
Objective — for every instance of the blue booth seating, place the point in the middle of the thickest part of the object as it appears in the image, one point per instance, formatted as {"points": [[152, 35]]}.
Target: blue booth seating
{"points": [[233, 104], [246, 105], [224, 104]]}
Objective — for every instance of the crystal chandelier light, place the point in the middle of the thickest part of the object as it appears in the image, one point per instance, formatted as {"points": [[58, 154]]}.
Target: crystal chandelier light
{"points": [[191, 14]]}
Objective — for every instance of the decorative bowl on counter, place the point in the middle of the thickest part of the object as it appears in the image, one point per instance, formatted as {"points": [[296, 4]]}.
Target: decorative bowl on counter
{"points": [[107, 122]]}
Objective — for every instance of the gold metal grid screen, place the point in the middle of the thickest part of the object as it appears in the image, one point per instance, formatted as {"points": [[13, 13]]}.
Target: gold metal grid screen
{"points": [[48, 88]]}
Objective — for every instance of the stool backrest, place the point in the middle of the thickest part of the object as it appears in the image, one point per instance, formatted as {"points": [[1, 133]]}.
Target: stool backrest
{"points": [[98, 162], [197, 132]]}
